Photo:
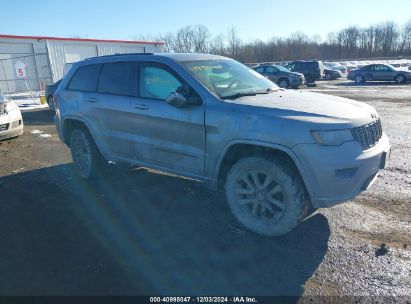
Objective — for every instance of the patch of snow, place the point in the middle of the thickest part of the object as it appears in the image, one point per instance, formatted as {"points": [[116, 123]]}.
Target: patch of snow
{"points": [[45, 135], [36, 132]]}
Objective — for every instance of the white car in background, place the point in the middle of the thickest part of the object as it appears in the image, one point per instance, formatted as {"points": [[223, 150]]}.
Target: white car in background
{"points": [[11, 121]]}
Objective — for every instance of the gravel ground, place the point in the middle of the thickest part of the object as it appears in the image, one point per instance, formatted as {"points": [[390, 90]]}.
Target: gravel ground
{"points": [[143, 233]]}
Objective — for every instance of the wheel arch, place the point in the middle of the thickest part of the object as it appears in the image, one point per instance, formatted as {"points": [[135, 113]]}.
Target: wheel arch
{"points": [[238, 149], [70, 123]]}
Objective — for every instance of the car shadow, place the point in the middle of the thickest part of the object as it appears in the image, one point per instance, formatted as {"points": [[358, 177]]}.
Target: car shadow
{"points": [[38, 117], [140, 233]]}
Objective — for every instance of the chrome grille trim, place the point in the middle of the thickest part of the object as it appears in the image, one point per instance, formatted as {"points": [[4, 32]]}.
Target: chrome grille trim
{"points": [[368, 135]]}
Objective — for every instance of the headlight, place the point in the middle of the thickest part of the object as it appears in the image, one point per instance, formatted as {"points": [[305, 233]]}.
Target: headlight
{"points": [[10, 106], [333, 137]]}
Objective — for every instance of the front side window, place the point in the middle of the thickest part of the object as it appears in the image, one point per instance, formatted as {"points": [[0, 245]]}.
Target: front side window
{"points": [[228, 78], [271, 70], [85, 78], [118, 79], [156, 82]]}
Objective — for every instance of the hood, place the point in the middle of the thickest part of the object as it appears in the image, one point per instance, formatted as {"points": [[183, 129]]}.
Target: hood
{"points": [[310, 107], [296, 73]]}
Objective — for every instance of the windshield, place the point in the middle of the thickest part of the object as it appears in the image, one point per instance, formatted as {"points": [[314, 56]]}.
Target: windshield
{"points": [[229, 78], [281, 68]]}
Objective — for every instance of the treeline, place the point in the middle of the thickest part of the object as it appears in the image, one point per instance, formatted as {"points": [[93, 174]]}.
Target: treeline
{"points": [[386, 39]]}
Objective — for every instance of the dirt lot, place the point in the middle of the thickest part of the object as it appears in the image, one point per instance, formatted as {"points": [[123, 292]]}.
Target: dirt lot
{"points": [[136, 233]]}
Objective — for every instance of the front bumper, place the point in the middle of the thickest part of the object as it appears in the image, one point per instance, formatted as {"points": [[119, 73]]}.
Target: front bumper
{"points": [[11, 124], [296, 81], [337, 174]]}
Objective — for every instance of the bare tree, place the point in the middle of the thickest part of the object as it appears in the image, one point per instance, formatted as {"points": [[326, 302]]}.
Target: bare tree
{"points": [[200, 36], [234, 41]]}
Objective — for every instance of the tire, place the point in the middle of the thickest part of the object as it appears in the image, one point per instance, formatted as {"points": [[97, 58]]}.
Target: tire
{"points": [[329, 76], [359, 79], [85, 154], [400, 78], [51, 103], [266, 196], [283, 83], [310, 79]]}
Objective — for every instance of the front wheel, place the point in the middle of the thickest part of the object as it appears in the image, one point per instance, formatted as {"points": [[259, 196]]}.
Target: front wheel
{"points": [[283, 83], [400, 79], [86, 157], [266, 196]]}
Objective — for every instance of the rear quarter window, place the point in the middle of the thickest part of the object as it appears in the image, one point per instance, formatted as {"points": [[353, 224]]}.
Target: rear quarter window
{"points": [[85, 78]]}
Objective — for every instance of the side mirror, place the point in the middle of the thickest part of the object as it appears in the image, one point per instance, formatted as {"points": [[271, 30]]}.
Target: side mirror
{"points": [[176, 99]]}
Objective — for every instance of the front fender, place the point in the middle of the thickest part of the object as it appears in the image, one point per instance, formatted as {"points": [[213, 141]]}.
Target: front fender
{"points": [[269, 145]]}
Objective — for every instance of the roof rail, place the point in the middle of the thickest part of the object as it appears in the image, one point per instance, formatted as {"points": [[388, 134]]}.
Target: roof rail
{"points": [[118, 54]]}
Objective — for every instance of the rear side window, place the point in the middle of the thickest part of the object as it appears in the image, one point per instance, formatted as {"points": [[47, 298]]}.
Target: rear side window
{"points": [[118, 79], [260, 69], [85, 78]]}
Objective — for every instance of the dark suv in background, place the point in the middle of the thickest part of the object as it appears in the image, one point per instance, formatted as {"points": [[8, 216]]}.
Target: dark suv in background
{"points": [[312, 70], [280, 75]]}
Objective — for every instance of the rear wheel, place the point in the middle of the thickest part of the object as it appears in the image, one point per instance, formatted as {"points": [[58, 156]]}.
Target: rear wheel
{"points": [[283, 83], [359, 79], [266, 196], [400, 78], [86, 156], [328, 76], [51, 103]]}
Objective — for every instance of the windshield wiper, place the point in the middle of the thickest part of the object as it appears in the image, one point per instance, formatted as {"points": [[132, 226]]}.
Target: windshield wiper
{"points": [[238, 95]]}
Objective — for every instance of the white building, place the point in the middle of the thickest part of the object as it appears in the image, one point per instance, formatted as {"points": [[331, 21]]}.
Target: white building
{"points": [[44, 58]]}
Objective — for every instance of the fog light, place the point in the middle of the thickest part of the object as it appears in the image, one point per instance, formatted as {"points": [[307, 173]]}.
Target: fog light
{"points": [[346, 173]]}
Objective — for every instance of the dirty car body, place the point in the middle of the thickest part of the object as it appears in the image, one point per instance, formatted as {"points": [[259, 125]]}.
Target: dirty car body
{"points": [[335, 145]]}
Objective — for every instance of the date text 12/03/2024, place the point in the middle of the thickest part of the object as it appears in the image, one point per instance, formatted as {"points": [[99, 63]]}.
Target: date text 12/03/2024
{"points": [[203, 300]]}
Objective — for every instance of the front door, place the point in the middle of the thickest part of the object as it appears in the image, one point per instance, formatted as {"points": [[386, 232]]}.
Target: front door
{"points": [[382, 72], [166, 135]]}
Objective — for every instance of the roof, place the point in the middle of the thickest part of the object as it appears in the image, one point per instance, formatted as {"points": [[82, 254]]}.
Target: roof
{"points": [[78, 39]]}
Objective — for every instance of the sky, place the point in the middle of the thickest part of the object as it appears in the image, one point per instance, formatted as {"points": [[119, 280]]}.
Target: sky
{"points": [[262, 19]]}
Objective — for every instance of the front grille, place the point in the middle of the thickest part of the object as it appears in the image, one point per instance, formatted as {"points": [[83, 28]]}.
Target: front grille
{"points": [[368, 135], [2, 109], [4, 127]]}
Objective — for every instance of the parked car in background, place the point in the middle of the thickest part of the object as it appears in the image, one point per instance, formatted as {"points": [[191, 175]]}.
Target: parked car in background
{"points": [[278, 154], [330, 74], [379, 72], [281, 76], [49, 93], [349, 65], [312, 70], [11, 121], [335, 66]]}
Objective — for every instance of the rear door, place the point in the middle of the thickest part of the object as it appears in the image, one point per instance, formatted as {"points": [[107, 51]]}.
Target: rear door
{"points": [[167, 136], [111, 109], [103, 93]]}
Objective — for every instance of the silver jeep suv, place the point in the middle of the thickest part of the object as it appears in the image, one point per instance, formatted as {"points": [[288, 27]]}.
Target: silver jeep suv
{"points": [[278, 154]]}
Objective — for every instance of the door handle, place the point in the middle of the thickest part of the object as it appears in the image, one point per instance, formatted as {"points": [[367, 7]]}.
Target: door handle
{"points": [[92, 100], [141, 107]]}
